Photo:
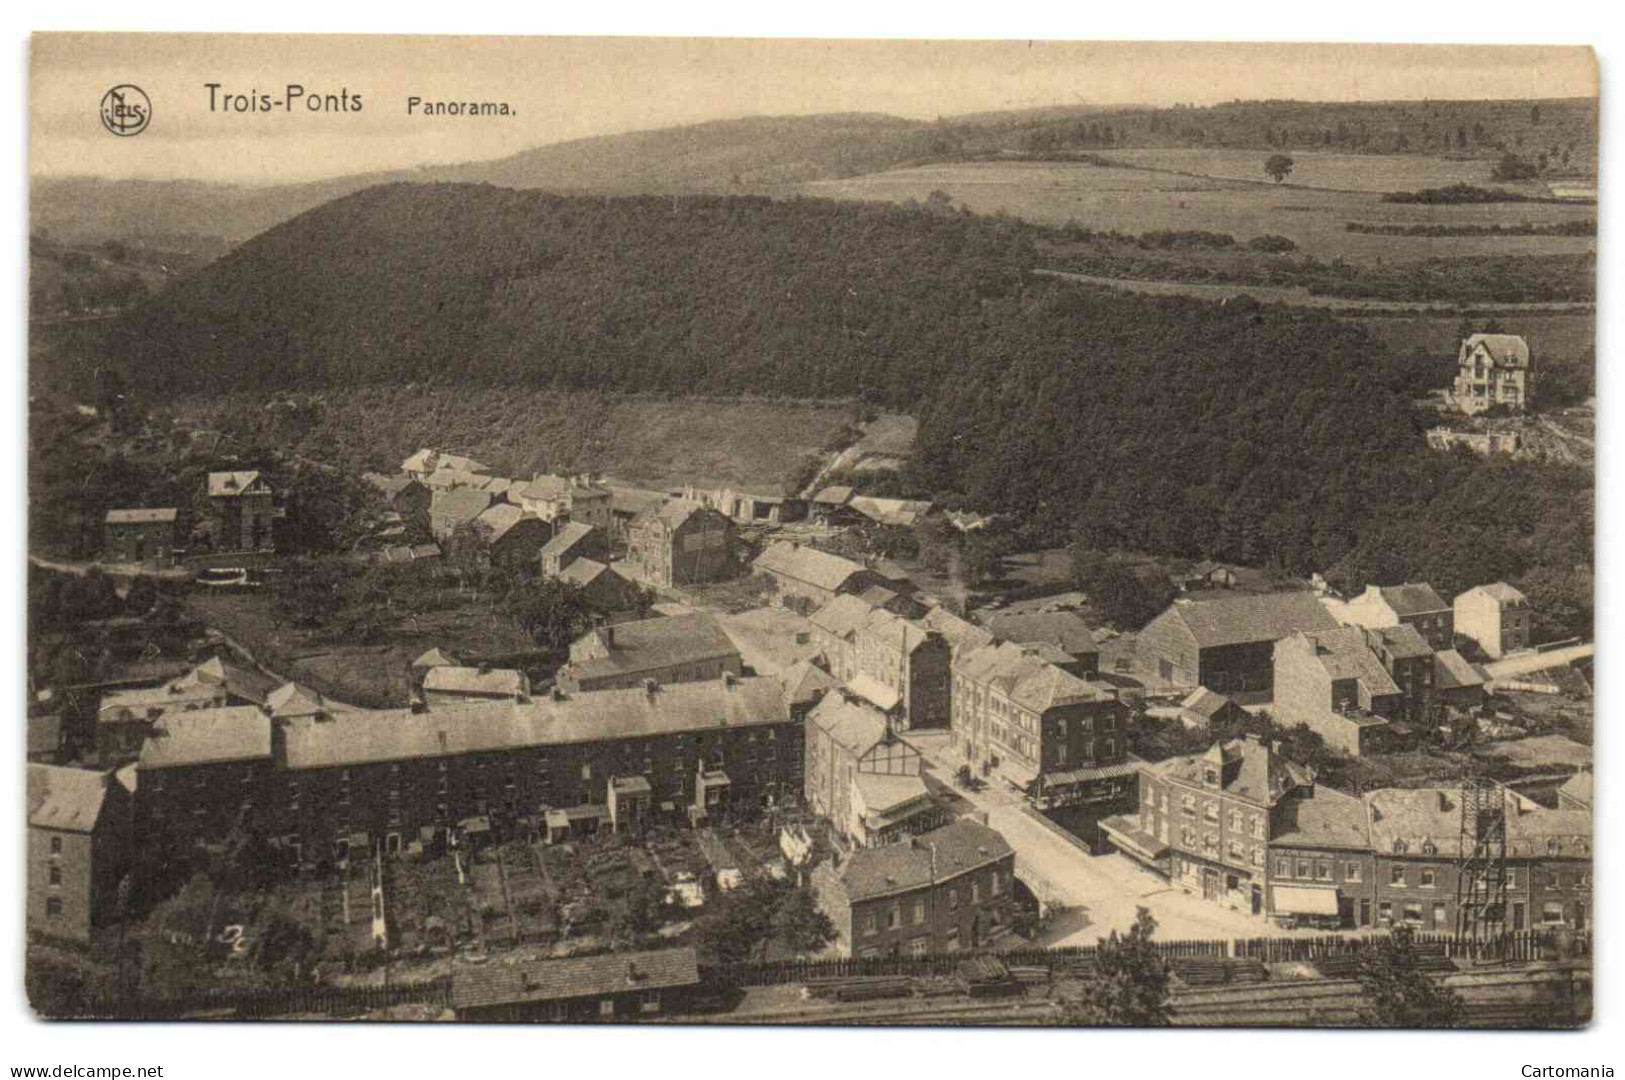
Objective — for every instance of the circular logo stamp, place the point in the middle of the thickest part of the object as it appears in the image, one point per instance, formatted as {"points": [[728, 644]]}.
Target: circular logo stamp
{"points": [[126, 110]]}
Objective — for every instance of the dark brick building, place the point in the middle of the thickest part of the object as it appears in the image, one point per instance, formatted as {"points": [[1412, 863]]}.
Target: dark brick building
{"points": [[612, 988], [944, 890], [682, 543], [242, 512], [78, 836], [142, 536]]}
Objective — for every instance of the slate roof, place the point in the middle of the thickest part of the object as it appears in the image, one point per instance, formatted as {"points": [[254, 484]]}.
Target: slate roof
{"points": [[568, 536], [1325, 817], [632, 501], [207, 736], [1063, 629], [806, 681], [962, 635], [1453, 672], [452, 508], [904, 513], [1404, 642], [960, 848], [842, 615], [291, 699], [1413, 598], [455, 478], [1421, 816], [1508, 350], [63, 798], [471, 680], [649, 644], [141, 515], [1579, 787], [1204, 702], [807, 564], [400, 734], [1344, 654], [770, 640], [670, 513], [420, 461], [240, 682], [391, 486], [515, 979], [1028, 680], [1240, 619], [230, 484], [548, 486], [877, 596], [895, 631], [834, 495], [584, 571], [875, 692], [500, 518], [1247, 769], [497, 486], [883, 793], [850, 725]]}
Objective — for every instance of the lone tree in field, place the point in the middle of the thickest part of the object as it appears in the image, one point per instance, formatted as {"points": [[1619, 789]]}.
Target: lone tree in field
{"points": [[1398, 993], [1278, 167]]}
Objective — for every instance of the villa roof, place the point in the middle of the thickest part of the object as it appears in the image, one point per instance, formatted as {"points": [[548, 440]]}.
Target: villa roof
{"points": [[1027, 679], [1508, 350], [807, 564], [935, 856]]}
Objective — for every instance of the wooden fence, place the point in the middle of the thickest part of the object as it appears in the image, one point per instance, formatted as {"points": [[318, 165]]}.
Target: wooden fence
{"points": [[331, 1002], [1522, 945]]}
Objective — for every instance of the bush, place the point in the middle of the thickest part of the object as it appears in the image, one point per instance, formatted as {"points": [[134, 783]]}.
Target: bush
{"points": [[1272, 244]]}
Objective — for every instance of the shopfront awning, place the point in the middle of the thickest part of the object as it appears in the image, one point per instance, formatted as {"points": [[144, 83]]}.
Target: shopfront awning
{"points": [[1070, 777], [1125, 835], [1297, 900]]}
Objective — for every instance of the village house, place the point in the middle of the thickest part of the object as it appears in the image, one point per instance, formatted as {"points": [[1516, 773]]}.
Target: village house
{"points": [[1226, 642], [674, 649], [426, 463], [749, 507], [1484, 443], [203, 773], [78, 837], [805, 684], [455, 479], [829, 499], [894, 513], [1496, 616], [293, 701], [144, 537], [1492, 369], [1416, 835], [406, 495], [1410, 662], [1412, 604], [771, 640], [807, 578], [604, 589], [1204, 710], [1065, 630], [1024, 721], [864, 778], [124, 718], [912, 664], [557, 499], [241, 511], [448, 687], [428, 661], [1321, 868], [963, 636], [1333, 682], [680, 542], [573, 540], [949, 889], [512, 537], [1204, 820], [453, 508], [626, 502], [611, 988]]}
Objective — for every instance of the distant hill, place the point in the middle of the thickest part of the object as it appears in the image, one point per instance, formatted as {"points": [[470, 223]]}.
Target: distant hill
{"points": [[767, 154]]}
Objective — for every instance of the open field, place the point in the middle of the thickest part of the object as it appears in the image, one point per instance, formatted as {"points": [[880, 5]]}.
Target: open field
{"points": [[1379, 173], [519, 431], [1139, 200], [1297, 295]]}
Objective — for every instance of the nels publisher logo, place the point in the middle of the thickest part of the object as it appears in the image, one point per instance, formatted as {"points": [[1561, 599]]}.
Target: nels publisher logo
{"points": [[126, 110]]}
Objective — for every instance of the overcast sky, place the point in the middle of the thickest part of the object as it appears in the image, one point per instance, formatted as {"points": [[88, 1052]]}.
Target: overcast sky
{"points": [[567, 88]]}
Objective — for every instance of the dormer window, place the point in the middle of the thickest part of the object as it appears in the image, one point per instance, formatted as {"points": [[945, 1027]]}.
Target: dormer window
{"points": [[1211, 776], [1428, 848], [1400, 847]]}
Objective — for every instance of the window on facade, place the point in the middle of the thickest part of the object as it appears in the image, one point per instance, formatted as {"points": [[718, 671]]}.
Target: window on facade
{"points": [[1438, 914], [1385, 912], [56, 875], [1258, 828], [1396, 876], [1303, 869], [606, 1007], [870, 926], [919, 911], [1188, 803], [1413, 913], [1210, 810], [1235, 821], [1351, 871], [951, 942], [1428, 877], [1283, 868], [998, 885], [919, 946], [1323, 870], [1552, 913], [976, 892], [953, 899], [56, 845], [894, 917], [53, 908]]}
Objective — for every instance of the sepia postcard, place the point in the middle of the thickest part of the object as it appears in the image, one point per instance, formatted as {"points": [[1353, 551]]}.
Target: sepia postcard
{"points": [[810, 532]]}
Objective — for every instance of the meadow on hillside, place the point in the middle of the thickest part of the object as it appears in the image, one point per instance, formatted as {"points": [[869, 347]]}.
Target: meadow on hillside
{"points": [[1140, 200]]}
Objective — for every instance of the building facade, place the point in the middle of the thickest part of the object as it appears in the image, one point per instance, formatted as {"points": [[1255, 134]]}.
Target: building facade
{"points": [[808, 578], [906, 656], [1412, 604], [1492, 369], [78, 837], [672, 649], [1496, 616], [1226, 643], [144, 537], [862, 776], [1333, 682], [680, 542], [242, 512], [557, 499]]}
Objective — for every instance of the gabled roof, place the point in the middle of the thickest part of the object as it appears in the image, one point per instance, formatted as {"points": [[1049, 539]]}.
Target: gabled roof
{"points": [[517, 979], [875, 692], [877, 596], [1507, 350], [491, 682], [805, 681], [391, 486], [67, 799], [844, 614], [1242, 619], [434, 658], [834, 495], [899, 633], [207, 737], [568, 536], [1403, 642], [627, 500], [1204, 702], [883, 793], [1453, 672], [240, 682], [500, 518], [459, 504], [903, 513], [962, 635], [1416, 817], [227, 484], [497, 486], [1063, 629], [1247, 769], [1413, 598], [672, 513], [291, 699], [548, 486], [431, 459], [584, 571], [849, 724], [1498, 591], [807, 564], [1323, 817], [939, 855], [1027, 679], [1343, 654], [442, 479], [141, 516], [650, 644], [1579, 787]]}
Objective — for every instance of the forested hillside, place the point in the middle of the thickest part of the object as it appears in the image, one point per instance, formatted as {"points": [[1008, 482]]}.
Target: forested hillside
{"points": [[1263, 435]]}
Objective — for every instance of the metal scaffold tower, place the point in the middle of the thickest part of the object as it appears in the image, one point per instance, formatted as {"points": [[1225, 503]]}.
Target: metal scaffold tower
{"points": [[1481, 879]]}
